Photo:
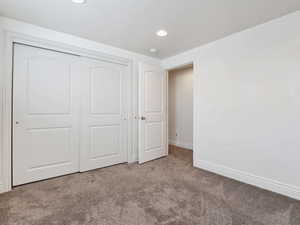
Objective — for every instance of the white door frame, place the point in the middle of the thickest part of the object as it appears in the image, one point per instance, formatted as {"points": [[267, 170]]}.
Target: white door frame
{"points": [[195, 100], [10, 39]]}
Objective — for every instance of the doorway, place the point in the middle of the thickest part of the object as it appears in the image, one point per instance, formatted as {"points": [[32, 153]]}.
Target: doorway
{"points": [[180, 108]]}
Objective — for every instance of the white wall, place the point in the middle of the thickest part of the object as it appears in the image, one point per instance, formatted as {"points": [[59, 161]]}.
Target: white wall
{"points": [[35, 32], [248, 105], [181, 107]]}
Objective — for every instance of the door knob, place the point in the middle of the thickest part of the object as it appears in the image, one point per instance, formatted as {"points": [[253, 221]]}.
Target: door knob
{"points": [[143, 118]]}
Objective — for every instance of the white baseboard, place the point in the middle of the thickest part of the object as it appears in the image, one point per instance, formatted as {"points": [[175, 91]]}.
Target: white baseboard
{"points": [[2, 188], [262, 182], [182, 145]]}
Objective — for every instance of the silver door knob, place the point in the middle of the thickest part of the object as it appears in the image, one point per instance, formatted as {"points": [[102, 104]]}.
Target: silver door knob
{"points": [[143, 118]]}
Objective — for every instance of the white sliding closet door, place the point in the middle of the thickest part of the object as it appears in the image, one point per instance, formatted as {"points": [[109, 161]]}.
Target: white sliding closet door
{"points": [[69, 114], [104, 119], [45, 114]]}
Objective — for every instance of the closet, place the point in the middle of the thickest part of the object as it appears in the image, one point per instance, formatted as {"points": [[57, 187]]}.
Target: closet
{"points": [[70, 114]]}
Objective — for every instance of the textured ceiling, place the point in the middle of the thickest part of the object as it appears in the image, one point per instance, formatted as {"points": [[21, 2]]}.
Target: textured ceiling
{"points": [[131, 24]]}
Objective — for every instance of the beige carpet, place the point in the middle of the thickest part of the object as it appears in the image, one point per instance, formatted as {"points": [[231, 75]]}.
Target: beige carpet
{"points": [[168, 191]]}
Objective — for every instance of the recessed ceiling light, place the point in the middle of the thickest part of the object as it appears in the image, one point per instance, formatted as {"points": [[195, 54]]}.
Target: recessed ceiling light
{"points": [[153, 50], [79, 1], [161, 33]]}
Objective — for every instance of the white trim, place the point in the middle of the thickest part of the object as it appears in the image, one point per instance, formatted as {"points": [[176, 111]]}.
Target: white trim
{"points": [[188, 146], [262, 182], [7, 96], [167, 112], [12, 37], [135, 113], [196, 96]]}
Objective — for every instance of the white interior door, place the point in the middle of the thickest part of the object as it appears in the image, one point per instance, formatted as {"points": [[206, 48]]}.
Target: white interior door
{"points": [[152, 110], [104, 118], [45, 114]]}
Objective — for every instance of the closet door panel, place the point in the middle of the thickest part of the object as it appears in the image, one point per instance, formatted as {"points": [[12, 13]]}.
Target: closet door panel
{"points": [[104, 114], [45, 115]]}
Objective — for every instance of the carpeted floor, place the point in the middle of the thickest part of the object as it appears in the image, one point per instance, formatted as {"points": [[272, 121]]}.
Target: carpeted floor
{"points": [[167, 191]]}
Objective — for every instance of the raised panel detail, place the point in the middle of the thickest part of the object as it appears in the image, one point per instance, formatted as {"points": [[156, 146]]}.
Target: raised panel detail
{"points": [[48, 86], [154, 95], [46, 104], [154, 136], [49, 147], [105, 141], [105, 91]]}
